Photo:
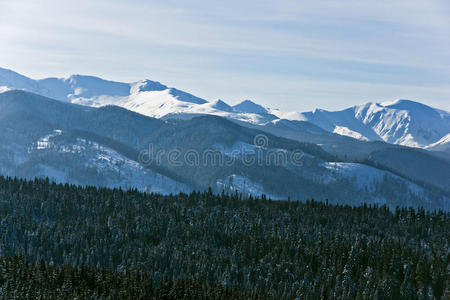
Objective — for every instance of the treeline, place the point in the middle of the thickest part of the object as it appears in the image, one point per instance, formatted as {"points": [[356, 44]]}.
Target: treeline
{"points": [[87, 242]]}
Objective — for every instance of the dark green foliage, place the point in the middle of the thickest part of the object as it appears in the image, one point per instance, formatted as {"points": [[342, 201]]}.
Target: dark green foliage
{"points": [[23, 280], [104, 243]]}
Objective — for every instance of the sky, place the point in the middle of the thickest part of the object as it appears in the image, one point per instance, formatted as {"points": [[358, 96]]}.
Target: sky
{"points": [[293, 55]]}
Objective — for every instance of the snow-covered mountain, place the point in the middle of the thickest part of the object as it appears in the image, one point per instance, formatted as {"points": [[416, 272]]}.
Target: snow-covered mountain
{"points": [[146, 97], [401, 122], [103, 146]]}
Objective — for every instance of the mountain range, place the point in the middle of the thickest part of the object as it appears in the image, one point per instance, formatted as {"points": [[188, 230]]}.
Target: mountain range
{"points": [[401, 122], [90, 131]]}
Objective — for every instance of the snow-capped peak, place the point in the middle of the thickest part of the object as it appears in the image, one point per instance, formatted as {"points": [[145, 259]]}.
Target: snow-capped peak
{"points": [[248, 106], [146, 86], [391, 102], [219, 105], [400, 121], [403, 122]]}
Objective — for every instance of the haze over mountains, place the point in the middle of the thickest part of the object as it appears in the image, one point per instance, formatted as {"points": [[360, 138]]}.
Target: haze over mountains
{"points": [[352, 156]]}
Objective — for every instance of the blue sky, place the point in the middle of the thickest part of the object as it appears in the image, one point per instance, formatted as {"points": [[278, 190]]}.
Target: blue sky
{"points": [[293, 55]]}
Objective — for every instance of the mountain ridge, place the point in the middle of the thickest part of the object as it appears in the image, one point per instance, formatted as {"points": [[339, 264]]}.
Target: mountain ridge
{"points": [[402, 122], [102, 146]]}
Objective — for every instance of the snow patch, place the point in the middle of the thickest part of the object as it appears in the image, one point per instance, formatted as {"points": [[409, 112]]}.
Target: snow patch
{"points": [[365, 176], [116, 169], [342, 130], [44, 142], [4, 89], [441, 145], [242, 184]]}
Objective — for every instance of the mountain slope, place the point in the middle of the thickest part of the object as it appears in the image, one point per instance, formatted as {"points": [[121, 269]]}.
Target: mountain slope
{"points": [[442, 145], [402, 122], [111, 146]]}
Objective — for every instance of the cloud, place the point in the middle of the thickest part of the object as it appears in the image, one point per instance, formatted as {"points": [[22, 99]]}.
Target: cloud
{"points": [[380, 45]]}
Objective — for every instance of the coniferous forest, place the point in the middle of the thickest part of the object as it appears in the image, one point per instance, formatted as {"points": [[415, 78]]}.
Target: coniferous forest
{"points": [[72, 242]]}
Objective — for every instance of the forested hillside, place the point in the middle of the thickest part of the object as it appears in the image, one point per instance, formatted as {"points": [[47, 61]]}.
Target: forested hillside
{"points": [[84, 242], [113, 147]]}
